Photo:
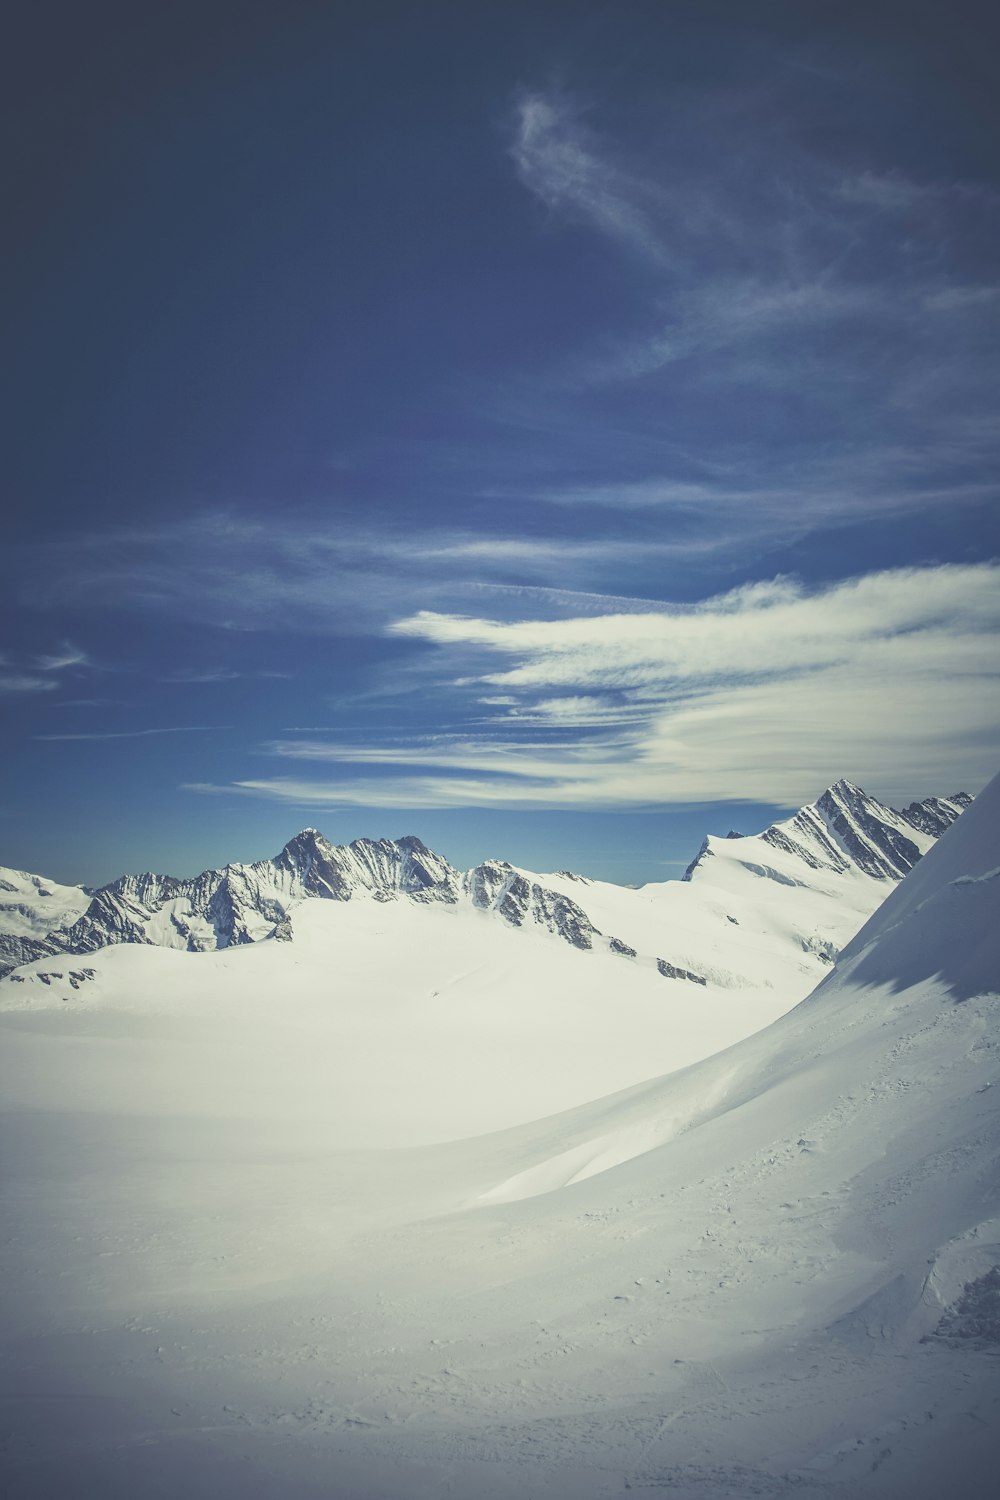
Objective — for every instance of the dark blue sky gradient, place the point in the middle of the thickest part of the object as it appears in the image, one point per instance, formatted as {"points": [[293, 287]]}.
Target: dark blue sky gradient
{"points": [[334, 326]]}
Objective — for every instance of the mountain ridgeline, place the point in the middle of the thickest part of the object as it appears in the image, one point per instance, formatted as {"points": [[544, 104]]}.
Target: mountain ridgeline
{"points": [[846, 832], [245, 903], [847, 828]]}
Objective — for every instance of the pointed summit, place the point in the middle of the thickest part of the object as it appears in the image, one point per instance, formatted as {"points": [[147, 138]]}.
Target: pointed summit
{"points": [[307, 838], [848, 827], [411, 844], [318, 869], [845, 788]]}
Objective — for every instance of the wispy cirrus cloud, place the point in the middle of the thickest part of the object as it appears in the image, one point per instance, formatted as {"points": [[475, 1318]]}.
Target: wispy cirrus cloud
{"points": [[25, 682], [557, 161], [240, 574], [757, 629], [840, 325], [135, 734], [768, 691], [209, 676], [38, 672]]}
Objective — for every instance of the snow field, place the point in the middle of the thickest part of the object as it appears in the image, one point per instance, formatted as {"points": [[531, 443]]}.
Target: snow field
{"points": [[237, 1276]]}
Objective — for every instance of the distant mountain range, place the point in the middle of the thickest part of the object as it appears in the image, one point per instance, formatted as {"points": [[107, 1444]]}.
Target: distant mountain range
{"points": [[826, 868]]}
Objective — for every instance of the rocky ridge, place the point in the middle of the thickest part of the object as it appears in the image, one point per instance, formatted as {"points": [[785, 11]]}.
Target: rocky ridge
{"points": [[246, 903], [847, 828]]}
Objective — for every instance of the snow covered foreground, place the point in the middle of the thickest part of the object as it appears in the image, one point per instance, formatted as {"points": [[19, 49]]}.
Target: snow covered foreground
{"points": [[769, 1274]]}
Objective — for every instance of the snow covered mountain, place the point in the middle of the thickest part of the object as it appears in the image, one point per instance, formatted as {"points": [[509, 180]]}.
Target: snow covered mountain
{"points": [[245, 903], [33, 914], [773, 1273], [848, 828], [771, 910], [823, 849], [935, 928]]}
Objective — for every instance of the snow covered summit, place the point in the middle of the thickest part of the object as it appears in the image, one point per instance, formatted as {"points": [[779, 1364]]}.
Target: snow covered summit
{"points": [[847, 829]]}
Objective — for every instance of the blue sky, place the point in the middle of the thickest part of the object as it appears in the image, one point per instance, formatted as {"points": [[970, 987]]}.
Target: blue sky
{"points": [[555, 429]]}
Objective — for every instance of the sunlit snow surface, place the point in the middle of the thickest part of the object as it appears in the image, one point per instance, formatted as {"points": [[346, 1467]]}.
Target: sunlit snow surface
{"points": [[228, 1272]]}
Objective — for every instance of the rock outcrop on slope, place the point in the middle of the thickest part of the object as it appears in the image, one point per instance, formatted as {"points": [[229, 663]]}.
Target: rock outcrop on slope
{"points": [[497, 886]]}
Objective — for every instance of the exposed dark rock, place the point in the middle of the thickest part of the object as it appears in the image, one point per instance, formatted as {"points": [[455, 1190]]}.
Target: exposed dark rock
{"points": [[497, 886], [974, 1320], [846, 827], [935, 814], [15, 950], [617, 946], [671, 971], [704, 854], [243, 903]]}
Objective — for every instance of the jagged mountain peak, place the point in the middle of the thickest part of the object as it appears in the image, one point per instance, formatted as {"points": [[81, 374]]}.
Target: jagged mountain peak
{"points": [[305, 842], [844, 784], [412, 844], [845, 828]]}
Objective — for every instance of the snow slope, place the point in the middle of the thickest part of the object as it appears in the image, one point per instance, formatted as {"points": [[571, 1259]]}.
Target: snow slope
{"points": [[388, 1022], [769, 1274]]}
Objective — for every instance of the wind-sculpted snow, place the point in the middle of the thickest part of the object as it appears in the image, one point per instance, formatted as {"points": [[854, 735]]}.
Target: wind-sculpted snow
{"points": [[938, 926]]}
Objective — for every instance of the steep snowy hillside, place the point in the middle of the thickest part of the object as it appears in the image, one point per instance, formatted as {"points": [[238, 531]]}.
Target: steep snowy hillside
{"points": [[935, 929], [773, 1273]]}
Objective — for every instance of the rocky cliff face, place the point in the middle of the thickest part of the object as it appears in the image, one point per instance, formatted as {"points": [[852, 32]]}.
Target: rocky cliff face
{"points": [[15, 950], [497, 886]]}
